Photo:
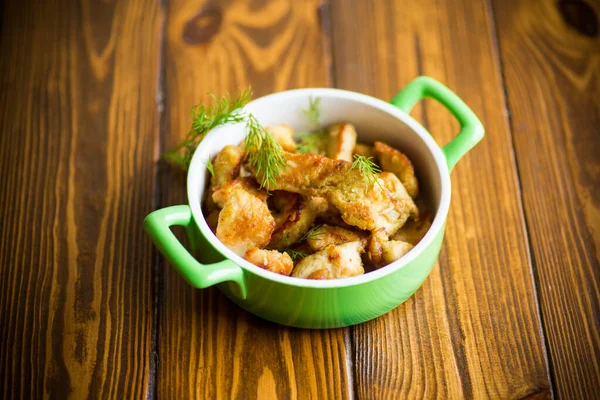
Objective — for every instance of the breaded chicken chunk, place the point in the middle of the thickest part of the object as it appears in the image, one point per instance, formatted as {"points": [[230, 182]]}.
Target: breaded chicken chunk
{"points": [[382, 251], [271, 260], [364, 150], [307, 174], [245, 222], [366, 206], [383, 204], [328, 214], [401, 200], [342, 139], [392, 160], [226, 165], [296, 216], [284, 134], [222, 193], [414, 230], [333, 262], [327, 235]]}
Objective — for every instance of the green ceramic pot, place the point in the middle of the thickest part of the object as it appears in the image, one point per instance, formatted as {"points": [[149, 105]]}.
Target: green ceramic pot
{"points": [[331, 303]]}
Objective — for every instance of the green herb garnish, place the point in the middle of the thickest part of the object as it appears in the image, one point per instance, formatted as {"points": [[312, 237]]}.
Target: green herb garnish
{"points": [[225, 110], [210, 167], [313, 233], [312, 142], [263, 153], [313, 112], [294, 254], [368, 169]]}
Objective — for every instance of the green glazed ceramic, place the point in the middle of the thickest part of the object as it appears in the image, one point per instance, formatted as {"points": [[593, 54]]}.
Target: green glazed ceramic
{"points": [[331, 303]]}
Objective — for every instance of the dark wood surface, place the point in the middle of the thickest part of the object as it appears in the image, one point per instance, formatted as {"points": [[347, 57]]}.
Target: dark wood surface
{"points": [[91, 93], [552, 78], [77, 145]]}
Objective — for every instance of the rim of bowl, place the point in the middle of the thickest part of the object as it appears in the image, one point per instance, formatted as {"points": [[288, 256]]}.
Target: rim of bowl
{"points": [[198, 167]]}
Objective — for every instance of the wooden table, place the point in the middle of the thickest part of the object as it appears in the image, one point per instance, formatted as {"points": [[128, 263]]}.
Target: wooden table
{"points": [[93, 92]]}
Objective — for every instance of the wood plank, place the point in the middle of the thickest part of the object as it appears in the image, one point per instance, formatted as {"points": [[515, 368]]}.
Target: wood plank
{"points": [[552, 75], [78, 123], [208, 347], [472, 331]]}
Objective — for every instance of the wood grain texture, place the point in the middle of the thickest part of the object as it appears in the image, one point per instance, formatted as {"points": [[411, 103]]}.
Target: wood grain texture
{"points": [[78, 126], [472, 331], [208, 347], [552, 75]]}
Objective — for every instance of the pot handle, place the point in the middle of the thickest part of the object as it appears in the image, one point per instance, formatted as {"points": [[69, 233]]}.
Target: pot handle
{"points": [[157, 225], [471, 129]]}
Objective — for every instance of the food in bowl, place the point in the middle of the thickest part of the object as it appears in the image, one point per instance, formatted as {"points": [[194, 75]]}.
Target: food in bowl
{"points": [[311, 303], [334, 209]]}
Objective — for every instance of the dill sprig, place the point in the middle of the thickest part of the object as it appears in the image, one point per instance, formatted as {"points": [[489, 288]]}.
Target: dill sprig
{"points": [[263, 152], [313, 112], [312, 142], [294, 254], [313, 233], [225, 110], [369, 170], [210, 167]]}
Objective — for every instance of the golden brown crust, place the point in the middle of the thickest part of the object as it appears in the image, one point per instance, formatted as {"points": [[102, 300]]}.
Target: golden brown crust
{"points": [[226, 165], [284, 134], [397, 162], [271, 260], [342, 139], [384, 204], [245, 222], [222, 193], [333, 262], [366, 206], [414, 229], [381, 251], [363, 149], [308, 174], [327, 235], [294, 219]]}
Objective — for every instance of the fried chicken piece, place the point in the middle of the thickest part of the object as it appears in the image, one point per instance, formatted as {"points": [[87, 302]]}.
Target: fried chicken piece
{"points": [[383, 204], [342, 139], [271, 260], [245, 222], [321, 205], [363, 149], [284, 134], [226, 165], [328, 214], [296, 216], [392, 160], [307, 174], [382, 251], [333, 262], [401, 200], [366, 206], [334, 235], [414, 230], [222, 193]]}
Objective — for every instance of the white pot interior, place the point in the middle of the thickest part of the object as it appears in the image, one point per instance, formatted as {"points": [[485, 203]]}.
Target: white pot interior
{"points": [[374, 120]]}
